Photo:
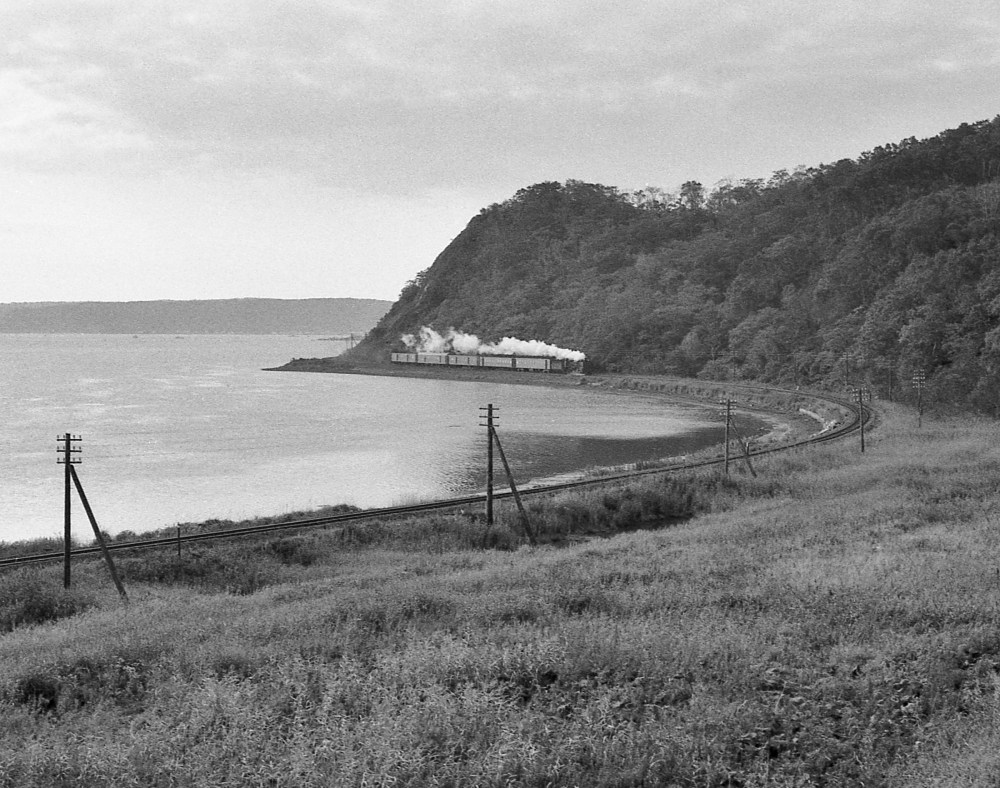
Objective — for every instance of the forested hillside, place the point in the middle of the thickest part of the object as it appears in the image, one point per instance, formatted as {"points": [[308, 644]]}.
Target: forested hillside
{"points": [[865, 270]]}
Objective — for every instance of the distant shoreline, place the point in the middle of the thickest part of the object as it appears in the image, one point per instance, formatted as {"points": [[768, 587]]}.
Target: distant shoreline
{"points": [[305, 316]]}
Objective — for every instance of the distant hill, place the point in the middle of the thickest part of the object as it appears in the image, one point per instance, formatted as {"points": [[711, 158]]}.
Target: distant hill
{"points": [[226, 316], [867, 271]]}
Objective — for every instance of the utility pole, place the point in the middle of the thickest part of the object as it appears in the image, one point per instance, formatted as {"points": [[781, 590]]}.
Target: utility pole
{"points": [[490, 426], [919, 381], [73, 479], [491, 418], [862, 394], [66, 450], [729, 410]]}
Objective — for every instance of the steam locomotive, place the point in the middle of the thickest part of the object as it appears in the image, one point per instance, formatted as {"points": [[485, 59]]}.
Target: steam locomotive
{"points": [[518, 363]]}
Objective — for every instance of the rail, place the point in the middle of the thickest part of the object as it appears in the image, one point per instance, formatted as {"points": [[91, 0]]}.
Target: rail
{"points": [[853, 424]]}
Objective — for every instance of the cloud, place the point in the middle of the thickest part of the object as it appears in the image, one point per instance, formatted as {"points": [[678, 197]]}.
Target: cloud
{"points": [[361, 92], [196, 141], [46, 122]]}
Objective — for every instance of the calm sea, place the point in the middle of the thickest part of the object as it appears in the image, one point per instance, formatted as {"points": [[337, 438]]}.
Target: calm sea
{"points": [[187, 428]]}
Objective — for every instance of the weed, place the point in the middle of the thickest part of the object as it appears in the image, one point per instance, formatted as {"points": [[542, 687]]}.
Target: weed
{"points": [[38, 689], [234, 568], [28, 597], [301, 550]]}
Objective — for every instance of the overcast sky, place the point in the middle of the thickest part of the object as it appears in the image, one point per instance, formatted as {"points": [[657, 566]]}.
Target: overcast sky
{"points": [[293, 148]]}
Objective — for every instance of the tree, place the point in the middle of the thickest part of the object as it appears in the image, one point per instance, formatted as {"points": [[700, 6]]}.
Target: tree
{"points": [[692, 196]]}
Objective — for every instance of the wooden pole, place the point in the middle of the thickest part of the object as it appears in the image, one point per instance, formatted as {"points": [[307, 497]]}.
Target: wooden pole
{"points": [[67, 451], [729, 404], [861, 416], [919, 381], [489, 467], [67, 506], [864, 395], [489, 461], [513, 487], [97, 535]]}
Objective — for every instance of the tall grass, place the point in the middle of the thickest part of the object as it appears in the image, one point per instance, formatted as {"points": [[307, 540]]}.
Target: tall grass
{"points": [[832, 622], [28, 597]]}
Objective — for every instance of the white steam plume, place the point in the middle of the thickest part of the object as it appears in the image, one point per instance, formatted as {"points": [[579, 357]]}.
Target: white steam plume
{"points": [[427, 340]]}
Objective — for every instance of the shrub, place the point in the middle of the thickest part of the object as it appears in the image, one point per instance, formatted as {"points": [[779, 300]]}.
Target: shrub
{"points": [[301, 550], [122, 679], [237, 569], [27, 598], [38, 690], [230, 662], [32, 547]]}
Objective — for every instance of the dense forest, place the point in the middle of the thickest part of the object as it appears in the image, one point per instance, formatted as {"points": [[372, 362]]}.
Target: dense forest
{"points": [[862, 271]]}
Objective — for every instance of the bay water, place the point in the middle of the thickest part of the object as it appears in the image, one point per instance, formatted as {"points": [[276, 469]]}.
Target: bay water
{"points": [[186, 428]]}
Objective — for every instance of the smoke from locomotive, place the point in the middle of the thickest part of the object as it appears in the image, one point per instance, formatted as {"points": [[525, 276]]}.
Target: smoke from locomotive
{"points": [[427, 340], [457, 349]]}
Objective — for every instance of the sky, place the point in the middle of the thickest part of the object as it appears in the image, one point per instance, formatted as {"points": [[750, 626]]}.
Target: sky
{"points": [[190, 149]]}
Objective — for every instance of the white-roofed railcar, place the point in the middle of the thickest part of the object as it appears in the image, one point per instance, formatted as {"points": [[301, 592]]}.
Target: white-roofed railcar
{"points": [[522, 363], [534, 364], [502, 362]]}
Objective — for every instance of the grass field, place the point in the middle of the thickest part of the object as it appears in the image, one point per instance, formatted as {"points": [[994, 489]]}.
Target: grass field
{"points": [[832, 622]]}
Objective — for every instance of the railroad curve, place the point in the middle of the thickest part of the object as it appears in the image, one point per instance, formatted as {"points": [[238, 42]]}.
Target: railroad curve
{"points": [[859, 416]]}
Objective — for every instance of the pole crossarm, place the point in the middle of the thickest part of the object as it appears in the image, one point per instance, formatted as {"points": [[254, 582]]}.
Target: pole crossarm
{"points": [[67, 451]]}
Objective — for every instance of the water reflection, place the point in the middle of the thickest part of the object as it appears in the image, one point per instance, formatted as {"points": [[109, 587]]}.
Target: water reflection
{"points": [[534, 456], [186, 431]]}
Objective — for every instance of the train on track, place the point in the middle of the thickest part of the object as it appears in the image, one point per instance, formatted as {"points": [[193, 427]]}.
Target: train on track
{"points": [[516, 363]]}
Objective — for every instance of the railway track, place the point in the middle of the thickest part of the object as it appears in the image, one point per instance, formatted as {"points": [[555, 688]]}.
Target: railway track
{"points": [[851, 425]]}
